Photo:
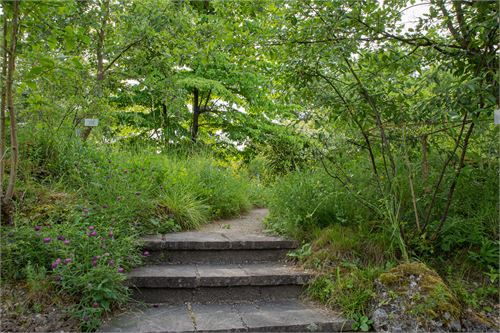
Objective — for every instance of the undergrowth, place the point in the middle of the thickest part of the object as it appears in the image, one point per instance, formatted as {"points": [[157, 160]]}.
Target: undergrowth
{"points": [[349, 244]]}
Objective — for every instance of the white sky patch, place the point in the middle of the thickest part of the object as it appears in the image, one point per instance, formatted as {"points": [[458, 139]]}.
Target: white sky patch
{"points": [[411, 14], [130, 82], [223, 136]]}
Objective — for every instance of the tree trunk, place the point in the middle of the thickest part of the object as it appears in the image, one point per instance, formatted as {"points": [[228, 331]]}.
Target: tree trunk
{"points": [[196, 116], [165, 123], [7, 204], [425, 164], [101, 36], [3, 105]]}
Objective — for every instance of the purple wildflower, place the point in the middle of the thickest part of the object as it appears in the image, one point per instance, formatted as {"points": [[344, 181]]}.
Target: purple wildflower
{"points": [[38, 228], [56, 263], [66, 242], [47, 240], [111, 262], [60, 237], [91, 227], [67, 261], [95, 305], [92, 234], [145, 253], [120, 270]]}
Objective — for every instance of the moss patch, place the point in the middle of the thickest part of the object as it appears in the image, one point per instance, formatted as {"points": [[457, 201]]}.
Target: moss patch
{"points": [[422, 292]]}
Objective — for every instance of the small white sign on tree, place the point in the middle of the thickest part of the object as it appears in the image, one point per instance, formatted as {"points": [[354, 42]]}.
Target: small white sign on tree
{"points": [[497, 117], [91, 122]]}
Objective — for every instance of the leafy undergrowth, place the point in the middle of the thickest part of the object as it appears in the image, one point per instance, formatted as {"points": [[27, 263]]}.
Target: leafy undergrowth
{"points": [[80, 211], [350, 245]]}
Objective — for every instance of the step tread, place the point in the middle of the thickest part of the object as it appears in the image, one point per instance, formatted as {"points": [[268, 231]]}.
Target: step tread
{"points": [[215, 275], [196, 240], [282, 316]]}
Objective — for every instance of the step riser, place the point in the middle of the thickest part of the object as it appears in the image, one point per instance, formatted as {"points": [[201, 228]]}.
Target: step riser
{"points": [[216, 256], [203, 295], [221, 245], [216, 281]]}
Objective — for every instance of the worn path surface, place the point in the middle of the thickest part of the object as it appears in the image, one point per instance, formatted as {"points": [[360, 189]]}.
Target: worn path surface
{"points": [[230, 276]]}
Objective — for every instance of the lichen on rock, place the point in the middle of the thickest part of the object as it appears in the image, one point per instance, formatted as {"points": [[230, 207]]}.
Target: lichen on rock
{"points": [[413, 297]]}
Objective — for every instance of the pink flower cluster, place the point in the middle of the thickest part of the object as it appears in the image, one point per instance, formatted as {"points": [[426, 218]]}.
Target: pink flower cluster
{"points": [[58, 261]]}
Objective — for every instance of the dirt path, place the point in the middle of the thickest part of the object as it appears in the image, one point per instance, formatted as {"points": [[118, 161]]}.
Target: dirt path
{"points": [[250, 223]]}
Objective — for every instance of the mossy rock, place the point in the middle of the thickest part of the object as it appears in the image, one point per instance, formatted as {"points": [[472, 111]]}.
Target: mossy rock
{"points": [[413, 293]]}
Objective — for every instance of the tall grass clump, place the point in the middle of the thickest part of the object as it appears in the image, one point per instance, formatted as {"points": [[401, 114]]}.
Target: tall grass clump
{"points": [[189, 212], [303, 201]]}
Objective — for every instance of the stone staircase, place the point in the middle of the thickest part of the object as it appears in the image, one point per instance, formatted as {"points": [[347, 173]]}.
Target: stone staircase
{"points": [[227, 280]]}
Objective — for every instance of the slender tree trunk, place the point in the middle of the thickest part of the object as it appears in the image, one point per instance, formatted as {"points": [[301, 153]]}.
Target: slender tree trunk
{"points": [[101, 36], [386, 147], [425, 164], [7, 204], [442, 174], [3, 106], [451, 191], [358, 124], [165, 123], [196, 116]]}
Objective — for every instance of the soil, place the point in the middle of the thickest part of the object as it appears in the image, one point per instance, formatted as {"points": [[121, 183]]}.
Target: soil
{"points": [[22, 311]]}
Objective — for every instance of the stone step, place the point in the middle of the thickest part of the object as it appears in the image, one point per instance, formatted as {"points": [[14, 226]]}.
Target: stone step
{"points": [[203, 283], [282, 316], [216, 241], [226, 275], [230, 256]]}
